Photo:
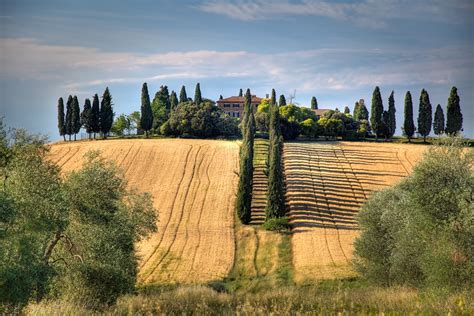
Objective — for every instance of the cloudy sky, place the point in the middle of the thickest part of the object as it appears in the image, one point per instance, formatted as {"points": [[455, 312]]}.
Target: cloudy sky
{"points": [[337, 51]]}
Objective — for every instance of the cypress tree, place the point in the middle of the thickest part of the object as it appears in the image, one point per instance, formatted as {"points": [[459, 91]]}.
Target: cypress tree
{"points": [[377, 111], [244, 189], [241, 93], [385, 125], [61, 124], [197, 94], [438, 123], [95, 115], [183, 97], [282, 100], [221, 98], [69, 122], [392, 123], [146, 118], [424, 115], [408, 124], [86, 116], [356, 111], [314, 103], [347, 110], [76, 116], [173, 100], [453, 113], [273, 98], [106, 113]]}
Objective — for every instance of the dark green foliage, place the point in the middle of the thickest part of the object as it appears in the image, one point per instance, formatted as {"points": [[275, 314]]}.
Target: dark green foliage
{"points": [[408, 124], [314, 103], [69, 130], [95, 115], [355, 113], [273, 98], [335, 123], [291, 116], [244, 188], [385, 125], [424, 115], [453, 113], [241, 93], [221, 97], [280, 224], [183, 97], [146, 117], [106, 113], [391, 122], [86, 117], [376, 112], [360, 111], [347, 110], [197, 94], [76, 116], [160, 108], [173, 100], [282, 100], [419, 232], [438, 122], [61, 123]]}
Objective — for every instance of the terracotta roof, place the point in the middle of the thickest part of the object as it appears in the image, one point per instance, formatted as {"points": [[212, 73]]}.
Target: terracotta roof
{"points": [[237, 99], [320, 112]]}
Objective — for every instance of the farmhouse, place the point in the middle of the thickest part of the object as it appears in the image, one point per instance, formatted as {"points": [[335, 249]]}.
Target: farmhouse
{"points": [[321, 112], [234, 106]]}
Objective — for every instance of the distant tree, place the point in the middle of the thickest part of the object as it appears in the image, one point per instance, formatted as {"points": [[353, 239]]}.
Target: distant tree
{"points": [[314, 103], [160, 108], [244, 188], [173, 100], [95, 115], [273, 97], [120, 125], [76, 116], [146, 117], [61, 123], [391, 124], [69, 122], [86, 116], [241, 93], [183, 97], [347, 110], [408, 124], [376, 112], [438, 123], [453, 113], [135, 122], [197, 94], [385, 125], [221, 97], [106, 113], [282, 100], [360, 111], [424, 115]]}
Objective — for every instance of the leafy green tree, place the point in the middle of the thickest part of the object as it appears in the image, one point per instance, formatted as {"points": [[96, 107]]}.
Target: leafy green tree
{"points": [[424, 115], [376, 112], [146, 117], [61, 123], [86, 117], [314, 103], [69, 128], [282, 100], [391, 123], [160, 108], [106, 113], [76, 116], [197, 94], [173, 100], [438, 123], [347, 110], [244, 188], [453, 113], [355, 113], [273, 97], [183, 97], [241, 93], [408, 124], [134, 118], [361, 113], [120, 125], [95, 115]]}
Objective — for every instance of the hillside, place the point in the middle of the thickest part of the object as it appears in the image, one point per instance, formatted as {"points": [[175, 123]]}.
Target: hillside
{"points": [[193, 186]]}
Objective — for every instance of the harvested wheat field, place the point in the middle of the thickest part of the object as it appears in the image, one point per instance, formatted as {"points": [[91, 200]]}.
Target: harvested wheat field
{"points": [[327, 182], [193, 186]]}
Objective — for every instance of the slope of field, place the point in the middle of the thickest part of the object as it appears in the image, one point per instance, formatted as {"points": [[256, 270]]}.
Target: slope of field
{"points": [[327, 182], [193, 186]]}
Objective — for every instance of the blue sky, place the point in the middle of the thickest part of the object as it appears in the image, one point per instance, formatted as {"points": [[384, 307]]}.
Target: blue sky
{"points": [[336, 50]]}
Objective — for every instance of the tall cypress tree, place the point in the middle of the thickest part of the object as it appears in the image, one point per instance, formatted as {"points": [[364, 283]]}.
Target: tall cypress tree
{"points": [[173, 100], [244, 189], [376, 113], [183, 97], [347, 110], [197, 94], [453, 113], [408, 124], [146, 118], [95, 115], [106, 113], [76, 116], [86, 116], [424, 115], [273, 98], [392, 123], [61, 123], [438, 123], [69, 122], [355, 112], [314, 103], [221, 97], [241, 93], [282, 100]]}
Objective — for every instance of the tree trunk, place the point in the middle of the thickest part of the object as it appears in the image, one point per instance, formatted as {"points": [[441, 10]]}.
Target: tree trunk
{"points": [[69, 137], [74, 136], [64, 137], [41, 284]]}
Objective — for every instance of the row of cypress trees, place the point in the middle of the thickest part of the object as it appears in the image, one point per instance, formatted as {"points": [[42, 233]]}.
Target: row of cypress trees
{"points": [[93, 118]]}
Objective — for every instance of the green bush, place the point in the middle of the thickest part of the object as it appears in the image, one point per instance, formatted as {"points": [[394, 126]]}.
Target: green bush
{"points": [[280, 224]]}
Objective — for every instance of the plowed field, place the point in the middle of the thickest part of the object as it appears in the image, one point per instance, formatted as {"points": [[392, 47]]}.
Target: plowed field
{"points": [[193, 184]]}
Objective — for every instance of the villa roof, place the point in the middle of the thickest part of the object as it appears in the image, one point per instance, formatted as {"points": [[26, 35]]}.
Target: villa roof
{"points": [[237, 99]]}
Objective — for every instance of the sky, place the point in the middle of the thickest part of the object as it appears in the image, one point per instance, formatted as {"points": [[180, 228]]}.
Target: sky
{"points": [[337, 51]]}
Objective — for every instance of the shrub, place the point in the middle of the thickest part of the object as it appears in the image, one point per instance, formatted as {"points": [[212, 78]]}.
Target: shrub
{"points": [[279, 224]]}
